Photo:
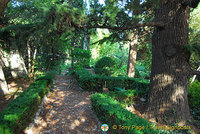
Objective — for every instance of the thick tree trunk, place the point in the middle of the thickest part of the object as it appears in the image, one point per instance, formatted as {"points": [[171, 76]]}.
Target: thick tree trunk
{"points": [[167, 97], [18, 68], [132, 56], [14, 62], [3, 4], [3, 83]]}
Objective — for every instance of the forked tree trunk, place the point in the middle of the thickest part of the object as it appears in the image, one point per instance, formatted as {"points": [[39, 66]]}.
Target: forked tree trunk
{"points": [[33, 63], [170, 73], [132, 56]]}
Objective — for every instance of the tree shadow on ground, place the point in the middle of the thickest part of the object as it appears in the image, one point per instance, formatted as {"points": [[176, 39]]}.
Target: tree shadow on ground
{"points": [[16, 86]]}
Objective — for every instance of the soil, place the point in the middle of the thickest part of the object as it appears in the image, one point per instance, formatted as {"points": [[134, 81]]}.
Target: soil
{"points": [[66, 110]]}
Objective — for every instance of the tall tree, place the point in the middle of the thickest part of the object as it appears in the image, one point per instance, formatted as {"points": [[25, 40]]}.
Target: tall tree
{"points": [[132, 54], [133, 41], [170, 73]]}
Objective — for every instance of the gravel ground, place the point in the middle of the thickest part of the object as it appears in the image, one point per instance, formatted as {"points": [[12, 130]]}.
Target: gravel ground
{"points": [[65, 110]]}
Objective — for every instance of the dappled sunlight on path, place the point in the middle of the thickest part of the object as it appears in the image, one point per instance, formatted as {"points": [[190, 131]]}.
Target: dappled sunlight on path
{"points": [[66, 110]]}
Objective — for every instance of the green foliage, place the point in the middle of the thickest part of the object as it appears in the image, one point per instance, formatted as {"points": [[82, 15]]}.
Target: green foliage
{"points": [[92, 82], [121, 71], [193, 48], [21, 110], [124, 97], [141, 71], [193, 97], [81, 57], [104, 66], [111, 112], [194, 37]]}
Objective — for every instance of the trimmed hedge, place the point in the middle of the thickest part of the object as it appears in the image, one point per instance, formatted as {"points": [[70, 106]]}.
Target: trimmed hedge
{"points": [[20, 111], [104, 66], [111, 112], [92, 82]]}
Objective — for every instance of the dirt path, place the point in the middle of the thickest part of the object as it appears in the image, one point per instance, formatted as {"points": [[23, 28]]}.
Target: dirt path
{"points": [[67, 110]]}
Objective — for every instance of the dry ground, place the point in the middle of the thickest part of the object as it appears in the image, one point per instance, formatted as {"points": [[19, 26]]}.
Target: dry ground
{"points": [[15, 87], [66, 110]]}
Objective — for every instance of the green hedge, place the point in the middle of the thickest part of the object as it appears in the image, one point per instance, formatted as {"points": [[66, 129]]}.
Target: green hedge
{"points": [[92, 82], [110, 112], [104, 66], [20, 111], [193, 97]]}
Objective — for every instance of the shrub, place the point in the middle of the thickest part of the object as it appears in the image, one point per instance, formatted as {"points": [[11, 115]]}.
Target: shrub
{"points": [[104, 66], [91, 82], [110, 111], [20, 111], [193, 97]]}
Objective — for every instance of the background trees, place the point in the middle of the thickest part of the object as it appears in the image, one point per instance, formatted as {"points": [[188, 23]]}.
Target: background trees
{"points": [[45, 33]]}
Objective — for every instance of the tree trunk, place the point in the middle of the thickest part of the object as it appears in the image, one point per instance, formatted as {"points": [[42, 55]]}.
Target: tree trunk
{"points": [[194, 77], [3, 4], [33, 63], [170, 73], [133, 44], [17, 64], [29, 58], [88, 42], [132, 56], [3, 83], [13, 62], [72, 58]]}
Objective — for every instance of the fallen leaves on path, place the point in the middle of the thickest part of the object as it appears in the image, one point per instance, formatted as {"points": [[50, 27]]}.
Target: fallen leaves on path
{"points": [[66, 110]]}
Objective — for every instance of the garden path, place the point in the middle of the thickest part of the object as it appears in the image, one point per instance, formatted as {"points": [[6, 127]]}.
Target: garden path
{"points": [[66, 110]]}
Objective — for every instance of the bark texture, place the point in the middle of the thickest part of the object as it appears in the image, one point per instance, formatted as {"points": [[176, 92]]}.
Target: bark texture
{"points": [[3, 4], [29, 58], [33, 63], [13, 63], [3, 83], [167, 98], [132, 56]]}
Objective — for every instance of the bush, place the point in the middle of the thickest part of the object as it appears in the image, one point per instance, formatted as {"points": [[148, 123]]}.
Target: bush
{"points": [[91, 82], [193, 97], [104, 66], [20, 111], [110, 111]]}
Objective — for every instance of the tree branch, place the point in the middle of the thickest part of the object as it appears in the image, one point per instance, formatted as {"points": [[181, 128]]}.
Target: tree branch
{"points": [[157, 24], [191, 3]]}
